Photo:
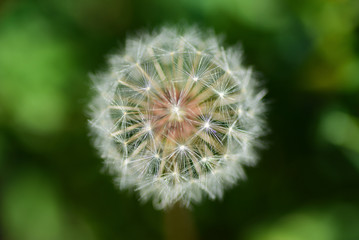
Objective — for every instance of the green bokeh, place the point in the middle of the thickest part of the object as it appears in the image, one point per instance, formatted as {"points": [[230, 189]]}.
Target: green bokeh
{"points": [[305, 186]]}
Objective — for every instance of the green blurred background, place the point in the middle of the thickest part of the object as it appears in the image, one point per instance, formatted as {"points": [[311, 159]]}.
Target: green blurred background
{"points": [[306, 186]]}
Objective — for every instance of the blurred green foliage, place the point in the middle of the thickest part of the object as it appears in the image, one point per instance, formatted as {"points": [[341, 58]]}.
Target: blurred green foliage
{"points": [[304, 188]]}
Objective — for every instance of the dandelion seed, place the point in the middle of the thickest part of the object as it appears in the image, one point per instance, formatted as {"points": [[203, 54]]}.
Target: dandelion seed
{"points": [[148, 127], [182, 147], [168, 135], [175, 109]]}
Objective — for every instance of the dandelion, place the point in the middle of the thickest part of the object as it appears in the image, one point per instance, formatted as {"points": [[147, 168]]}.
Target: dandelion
{"points": [[177, 116]]}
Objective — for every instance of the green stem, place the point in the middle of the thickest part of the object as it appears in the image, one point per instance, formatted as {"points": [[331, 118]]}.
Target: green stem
{"points": [[179, 224]]}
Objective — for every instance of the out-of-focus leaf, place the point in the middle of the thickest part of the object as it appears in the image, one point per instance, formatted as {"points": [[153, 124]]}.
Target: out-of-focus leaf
{"points": [[331, 222], [340, 129], [35, 67], [31, 209]]}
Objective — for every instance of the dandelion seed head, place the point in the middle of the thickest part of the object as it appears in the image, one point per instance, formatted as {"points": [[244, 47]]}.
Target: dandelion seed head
{"points": [[177, 116]]}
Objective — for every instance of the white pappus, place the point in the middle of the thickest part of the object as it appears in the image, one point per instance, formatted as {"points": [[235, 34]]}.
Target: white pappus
{"points": [[177, 116]]}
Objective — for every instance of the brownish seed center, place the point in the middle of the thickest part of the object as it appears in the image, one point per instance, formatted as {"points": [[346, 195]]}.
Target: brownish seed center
{"points": [[174, 116]]}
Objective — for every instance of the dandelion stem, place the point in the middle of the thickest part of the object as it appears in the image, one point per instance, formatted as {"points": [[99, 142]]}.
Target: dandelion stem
{"points": [[179, 224]]}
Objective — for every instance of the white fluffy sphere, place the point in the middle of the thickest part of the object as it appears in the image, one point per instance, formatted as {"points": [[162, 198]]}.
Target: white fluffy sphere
{"points": [[176, 116]]}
